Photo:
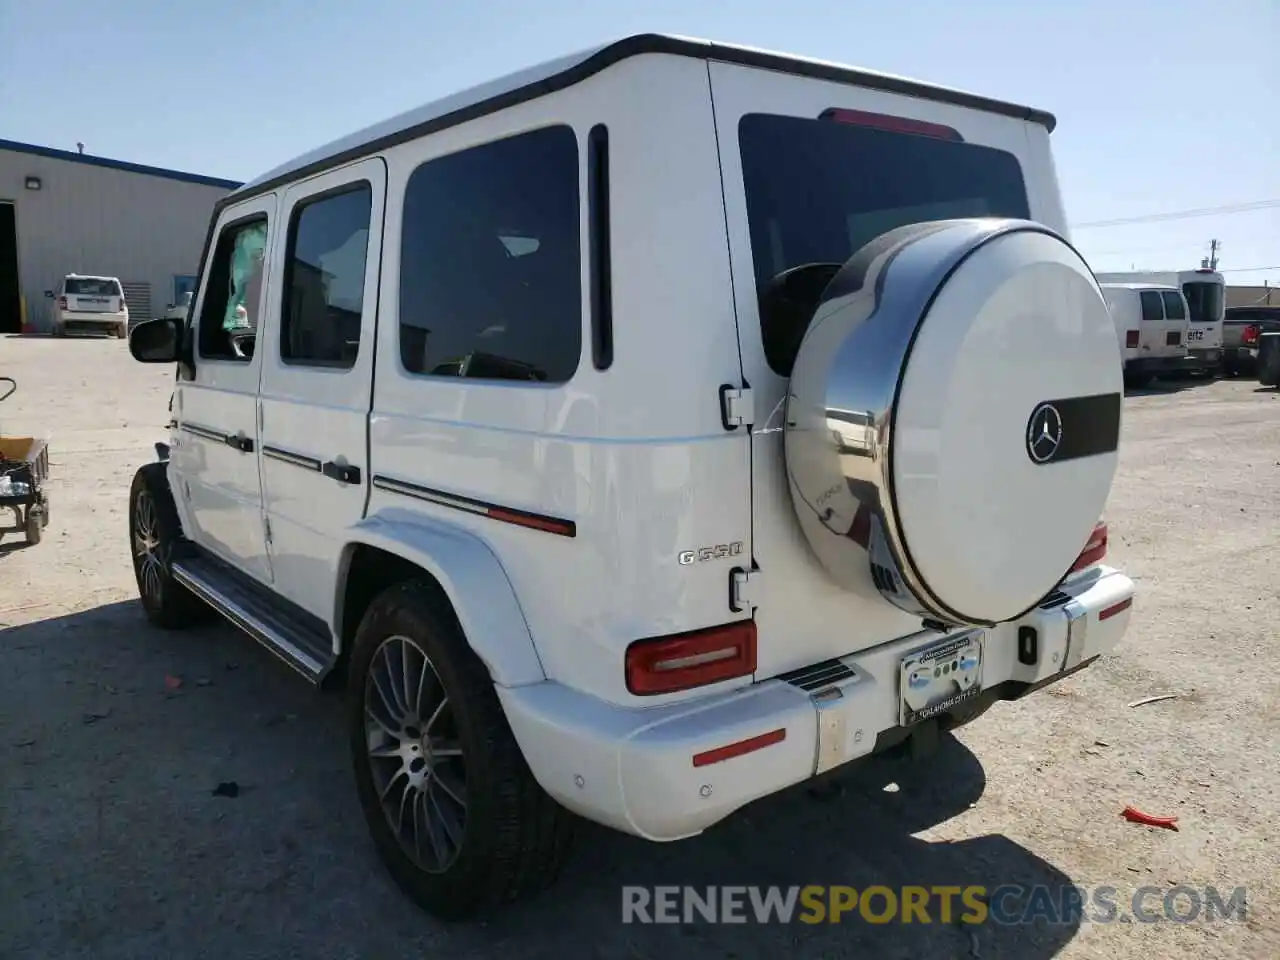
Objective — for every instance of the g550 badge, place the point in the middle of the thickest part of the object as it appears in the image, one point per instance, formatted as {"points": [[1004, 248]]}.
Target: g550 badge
{"points": [[720, 551]]}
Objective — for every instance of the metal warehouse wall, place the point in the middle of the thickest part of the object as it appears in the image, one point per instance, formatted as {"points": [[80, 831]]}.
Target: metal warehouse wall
{"points": [[99, 220]]}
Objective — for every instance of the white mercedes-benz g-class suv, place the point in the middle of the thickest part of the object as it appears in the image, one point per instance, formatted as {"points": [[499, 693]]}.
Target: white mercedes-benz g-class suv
{"points": [[640, 435]]}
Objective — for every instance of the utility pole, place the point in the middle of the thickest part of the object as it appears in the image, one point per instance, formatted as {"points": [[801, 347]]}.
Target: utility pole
{"points": [[1211, 261]]}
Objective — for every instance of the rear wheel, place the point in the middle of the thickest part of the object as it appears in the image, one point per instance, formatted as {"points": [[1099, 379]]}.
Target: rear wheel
{"points": [[455, 814], [154, 532]]}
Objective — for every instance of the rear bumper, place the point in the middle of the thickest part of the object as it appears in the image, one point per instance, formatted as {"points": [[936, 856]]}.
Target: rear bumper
{"points": [[1151, 366], [1240, 354], [91, 321], [1204, 358], [632, 768]]}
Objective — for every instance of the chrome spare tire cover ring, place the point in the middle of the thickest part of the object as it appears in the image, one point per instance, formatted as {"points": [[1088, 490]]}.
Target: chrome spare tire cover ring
{"points": [[415, 755], [914, 288]]}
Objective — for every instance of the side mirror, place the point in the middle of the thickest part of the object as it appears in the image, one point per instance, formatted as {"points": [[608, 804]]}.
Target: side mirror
{"points": [[48, 294], [155, 341]]}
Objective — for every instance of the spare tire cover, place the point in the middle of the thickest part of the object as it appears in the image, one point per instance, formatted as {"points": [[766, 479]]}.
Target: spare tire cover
{"points": [[953, 418]]}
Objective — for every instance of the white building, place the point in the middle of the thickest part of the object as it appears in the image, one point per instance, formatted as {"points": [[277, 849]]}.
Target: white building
{"points": [[64, 212]]}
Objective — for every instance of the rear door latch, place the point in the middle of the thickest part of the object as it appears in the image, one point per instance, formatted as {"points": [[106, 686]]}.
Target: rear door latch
{"points": [[736, 407]]}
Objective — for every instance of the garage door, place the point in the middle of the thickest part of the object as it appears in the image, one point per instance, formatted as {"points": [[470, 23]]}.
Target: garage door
{"points": [[137, 294]]}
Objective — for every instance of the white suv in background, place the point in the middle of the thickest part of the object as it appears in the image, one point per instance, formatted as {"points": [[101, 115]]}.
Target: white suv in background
{"points": [[90, 303], [634, 463]]}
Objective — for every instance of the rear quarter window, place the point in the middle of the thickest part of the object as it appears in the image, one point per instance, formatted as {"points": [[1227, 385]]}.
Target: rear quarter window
{"points": [[1152, 308], [1174, 308], [818, 190]]}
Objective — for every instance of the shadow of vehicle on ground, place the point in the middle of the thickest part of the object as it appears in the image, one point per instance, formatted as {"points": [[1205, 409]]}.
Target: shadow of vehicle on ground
{"points": [[116, 845], [1168, 385]]}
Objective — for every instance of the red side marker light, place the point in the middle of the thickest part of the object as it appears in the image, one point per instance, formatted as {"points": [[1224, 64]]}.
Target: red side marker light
{"points": [[732, 750], [1116, 608]]}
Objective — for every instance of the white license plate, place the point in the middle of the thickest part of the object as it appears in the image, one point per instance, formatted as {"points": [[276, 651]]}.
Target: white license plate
{"points": [[937, 678], [1195, 334]]}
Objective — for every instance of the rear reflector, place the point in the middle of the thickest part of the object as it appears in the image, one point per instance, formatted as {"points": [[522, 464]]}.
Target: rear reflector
{"points": [[1094, 550], [695, 659], [884, 121], [1131, 338], [720, 754], [1109, 612], [62, 303], [1250, 336]]}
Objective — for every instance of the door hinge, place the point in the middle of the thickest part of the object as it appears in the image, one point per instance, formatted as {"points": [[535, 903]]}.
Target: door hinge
{"points": [[744, 590], [266, 529], [737, 408]]}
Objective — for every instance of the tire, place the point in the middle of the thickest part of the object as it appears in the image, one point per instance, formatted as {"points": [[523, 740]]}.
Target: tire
{"points": [[34, 528], [512, 838], [154, 533]]}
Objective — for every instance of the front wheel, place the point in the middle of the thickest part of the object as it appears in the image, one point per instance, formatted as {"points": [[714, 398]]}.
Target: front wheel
{"points": [[455, 814], [154, 532]]}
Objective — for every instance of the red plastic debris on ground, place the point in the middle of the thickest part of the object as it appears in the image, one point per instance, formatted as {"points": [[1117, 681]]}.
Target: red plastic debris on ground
{"points": [[1134, 815]]}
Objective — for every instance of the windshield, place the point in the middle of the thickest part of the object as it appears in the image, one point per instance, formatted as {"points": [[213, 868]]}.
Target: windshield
{"points": [[92, 287], [818, 190], [1205, 301]]}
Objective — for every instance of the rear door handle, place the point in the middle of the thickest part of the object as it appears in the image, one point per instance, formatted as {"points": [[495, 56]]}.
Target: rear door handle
{"points": [[242, 443], [342, 472]]}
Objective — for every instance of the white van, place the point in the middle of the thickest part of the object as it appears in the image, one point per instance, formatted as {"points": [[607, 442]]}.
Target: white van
{"points": [[1151, 324], [634, 462], [90, 303], [1205, 291]]}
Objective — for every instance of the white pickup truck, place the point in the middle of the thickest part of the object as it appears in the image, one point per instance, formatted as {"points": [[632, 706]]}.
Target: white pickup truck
{"points": [[637, 463]]}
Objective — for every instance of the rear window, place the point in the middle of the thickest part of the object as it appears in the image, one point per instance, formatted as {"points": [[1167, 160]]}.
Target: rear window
{"points": [[92, 287], [1205, 301], [1173, 306], [1152, 310], [817, 191]]}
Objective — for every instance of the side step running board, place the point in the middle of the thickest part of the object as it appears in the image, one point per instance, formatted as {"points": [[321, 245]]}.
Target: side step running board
{"points": [[297, 644]]}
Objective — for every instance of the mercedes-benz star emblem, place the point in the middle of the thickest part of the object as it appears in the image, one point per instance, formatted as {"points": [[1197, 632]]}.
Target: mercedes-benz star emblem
{"points": [[1044, 433]]}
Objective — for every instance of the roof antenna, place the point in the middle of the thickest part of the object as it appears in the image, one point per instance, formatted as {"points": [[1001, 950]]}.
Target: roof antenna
{"points": [[79, 147]]}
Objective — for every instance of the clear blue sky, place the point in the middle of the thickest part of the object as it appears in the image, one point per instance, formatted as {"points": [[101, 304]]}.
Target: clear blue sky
{"points": [[1163, 105]]}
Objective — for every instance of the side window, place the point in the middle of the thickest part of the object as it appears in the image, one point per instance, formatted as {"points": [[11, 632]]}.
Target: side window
{"points": [[324, 279], [229, 315], [490, 261], [1173, 306], [1152, 309]]}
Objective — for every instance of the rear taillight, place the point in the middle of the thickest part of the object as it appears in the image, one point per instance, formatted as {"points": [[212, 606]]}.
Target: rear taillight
{"points": [[62, 303], [1131, 338], [884, 121], [1094, 551], [687, 660], [1250, 336]]}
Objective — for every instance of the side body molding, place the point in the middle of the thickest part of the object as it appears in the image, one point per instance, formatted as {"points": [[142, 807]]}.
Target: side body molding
{"points": [[472, 578]]}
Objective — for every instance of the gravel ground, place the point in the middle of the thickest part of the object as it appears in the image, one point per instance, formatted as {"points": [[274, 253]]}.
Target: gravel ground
{"points": [[112, 844]]}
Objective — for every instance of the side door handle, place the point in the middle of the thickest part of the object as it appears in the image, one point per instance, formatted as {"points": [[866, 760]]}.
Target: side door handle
{"points": [[241, 443], [342, 472]]}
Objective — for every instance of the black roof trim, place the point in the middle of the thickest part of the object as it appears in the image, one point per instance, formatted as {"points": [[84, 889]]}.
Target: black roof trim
{"points": [[635, 46], [54, 154]]}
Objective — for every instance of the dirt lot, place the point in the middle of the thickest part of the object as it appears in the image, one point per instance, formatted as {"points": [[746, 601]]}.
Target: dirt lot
{"points": [[112, 844]]}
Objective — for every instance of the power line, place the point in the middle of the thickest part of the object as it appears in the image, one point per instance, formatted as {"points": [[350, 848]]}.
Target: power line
{"points": [[1249, 269], [1182, 214]]}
